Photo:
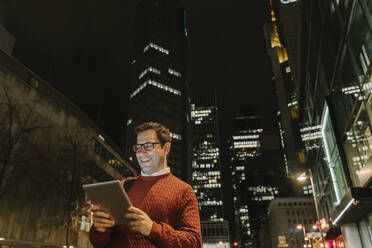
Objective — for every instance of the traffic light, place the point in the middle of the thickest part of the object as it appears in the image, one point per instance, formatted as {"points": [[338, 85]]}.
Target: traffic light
{"points": [[235, 244]]}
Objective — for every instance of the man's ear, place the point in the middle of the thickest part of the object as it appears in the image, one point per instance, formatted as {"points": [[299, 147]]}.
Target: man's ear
{"points": [[167, 147]]}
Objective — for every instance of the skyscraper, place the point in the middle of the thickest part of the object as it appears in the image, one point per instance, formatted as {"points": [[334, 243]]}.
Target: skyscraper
{"points": [[206, 174], [158, 80], [286, 69], [206, 168], [252, 177]]}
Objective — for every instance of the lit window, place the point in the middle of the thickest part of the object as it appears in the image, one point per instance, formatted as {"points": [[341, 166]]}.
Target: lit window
{"points": [[156, 84], [149, 69], [129, 121], [156, 47], [176, 136], [173, 72]]}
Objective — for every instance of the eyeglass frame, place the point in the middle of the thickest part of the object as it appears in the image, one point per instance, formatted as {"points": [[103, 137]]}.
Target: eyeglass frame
{"points": [[143, 146]]}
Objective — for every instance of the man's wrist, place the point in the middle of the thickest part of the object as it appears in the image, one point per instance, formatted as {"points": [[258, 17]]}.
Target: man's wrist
{"points": [[155, 231]]}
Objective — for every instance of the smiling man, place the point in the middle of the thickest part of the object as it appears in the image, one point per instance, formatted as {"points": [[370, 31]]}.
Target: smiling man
{"points": [[165, 210]]}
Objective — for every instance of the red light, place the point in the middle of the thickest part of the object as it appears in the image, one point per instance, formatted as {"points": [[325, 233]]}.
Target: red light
{"points": [[228, 141], [230, 167], [235, 244], [216, 108], [333, 89], [277, 92]]}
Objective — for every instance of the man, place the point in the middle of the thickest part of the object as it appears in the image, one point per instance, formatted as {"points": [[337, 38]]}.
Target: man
{"points": [[165, 210]]}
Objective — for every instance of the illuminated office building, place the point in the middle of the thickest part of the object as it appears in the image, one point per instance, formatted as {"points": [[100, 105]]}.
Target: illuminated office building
{"points": [[206, 174], [253, 180], [158, 76], [330, 62], [206, 169], [286, 69]]}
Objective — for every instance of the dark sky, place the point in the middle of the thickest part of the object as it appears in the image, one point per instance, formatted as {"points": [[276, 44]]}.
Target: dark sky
{"points": [[83, 48]]}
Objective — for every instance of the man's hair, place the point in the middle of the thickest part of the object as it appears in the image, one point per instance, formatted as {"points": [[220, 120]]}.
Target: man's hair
{"points": [[161, 131]]}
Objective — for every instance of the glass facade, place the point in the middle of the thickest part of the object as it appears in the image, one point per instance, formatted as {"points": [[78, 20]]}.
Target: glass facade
{"points": [[337, 85]]}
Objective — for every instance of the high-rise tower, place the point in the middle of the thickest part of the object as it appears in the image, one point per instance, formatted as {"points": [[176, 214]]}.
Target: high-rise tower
{"points": [[206, 173], [158, 80], [206, 169], [253, 170]]}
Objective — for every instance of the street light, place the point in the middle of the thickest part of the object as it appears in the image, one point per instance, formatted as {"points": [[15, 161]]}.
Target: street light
{"points": [[303, 177]]}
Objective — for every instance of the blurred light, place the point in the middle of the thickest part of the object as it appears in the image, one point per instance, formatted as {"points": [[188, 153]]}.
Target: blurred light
{"points": [[101, 137], [302, 177], [235, 244], [2, 238], [299, 227]]}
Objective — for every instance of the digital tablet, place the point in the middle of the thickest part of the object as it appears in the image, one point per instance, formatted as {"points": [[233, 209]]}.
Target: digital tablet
{"points": [[111, 196]]}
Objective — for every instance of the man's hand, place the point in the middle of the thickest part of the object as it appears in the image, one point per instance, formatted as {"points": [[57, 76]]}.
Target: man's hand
{"points": [[101, 219], [140, 222]]}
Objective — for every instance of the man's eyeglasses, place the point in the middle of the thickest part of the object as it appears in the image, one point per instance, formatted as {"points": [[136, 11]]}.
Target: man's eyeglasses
{"points": [[149, 146]]}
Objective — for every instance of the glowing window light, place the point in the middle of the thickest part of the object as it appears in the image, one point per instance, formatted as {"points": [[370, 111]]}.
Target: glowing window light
{"points": [[156, 47], [176, 136], [158, 85], [149, 69], [173, 72]]}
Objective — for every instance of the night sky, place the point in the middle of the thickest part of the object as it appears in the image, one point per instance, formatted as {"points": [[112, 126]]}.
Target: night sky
{"points": [[83, 48]]}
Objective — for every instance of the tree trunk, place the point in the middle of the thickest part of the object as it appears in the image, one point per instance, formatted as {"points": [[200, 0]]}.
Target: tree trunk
{"points": [[68, 231]]}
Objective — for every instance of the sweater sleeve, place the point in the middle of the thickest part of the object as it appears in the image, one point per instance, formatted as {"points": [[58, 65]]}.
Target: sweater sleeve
{"points": [[188, 233], [99, 239]]}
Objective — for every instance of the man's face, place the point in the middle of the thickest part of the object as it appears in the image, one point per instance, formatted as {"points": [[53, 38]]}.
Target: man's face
{"points": [[155, 160]]}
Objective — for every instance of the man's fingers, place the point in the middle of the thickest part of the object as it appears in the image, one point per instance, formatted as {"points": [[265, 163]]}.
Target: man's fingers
{"points": [[134, 224], [96, 208], [103, 220], [102, 214], [105, 225], [134, 216], [135, 210]]}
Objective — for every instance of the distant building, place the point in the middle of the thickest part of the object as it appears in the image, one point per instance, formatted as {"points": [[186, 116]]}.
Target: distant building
{"points": [[285, 64], [206, 175], [206, 168], [158, 86], [253, 178], [215, 234], [79, 146], [290, 223]]}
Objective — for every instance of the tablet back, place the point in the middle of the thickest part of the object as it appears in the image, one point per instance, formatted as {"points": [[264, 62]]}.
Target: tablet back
{"points": [[111, 196]]}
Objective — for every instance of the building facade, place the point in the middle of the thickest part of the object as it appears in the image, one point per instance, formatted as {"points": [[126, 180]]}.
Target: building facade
{"points": [[332, 78], [290, 223], [206, 168], [43, 205], [253, 178], [158, 87], [336, 96]]}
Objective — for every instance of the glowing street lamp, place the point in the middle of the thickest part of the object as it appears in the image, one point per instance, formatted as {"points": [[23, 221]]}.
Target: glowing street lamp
{"points": [[303, 177]]}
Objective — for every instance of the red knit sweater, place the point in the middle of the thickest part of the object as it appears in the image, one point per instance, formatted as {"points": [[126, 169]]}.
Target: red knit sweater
{"points": [[170, 203]]}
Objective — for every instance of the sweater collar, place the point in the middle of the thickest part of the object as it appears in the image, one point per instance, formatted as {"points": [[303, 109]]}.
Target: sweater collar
{"points": [[158, 173]]}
